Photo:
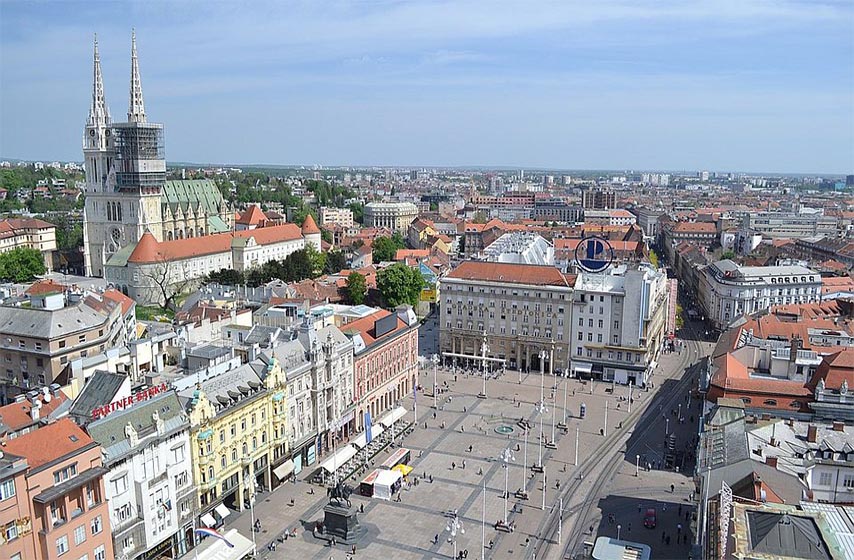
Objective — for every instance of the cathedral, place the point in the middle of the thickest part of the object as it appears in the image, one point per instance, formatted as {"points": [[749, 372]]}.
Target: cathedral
{"points": [[126, 190]]}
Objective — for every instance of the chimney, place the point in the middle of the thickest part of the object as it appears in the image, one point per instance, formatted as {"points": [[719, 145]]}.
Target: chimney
{"points": [[771, 461], [34, 410], [812, 432], [838, 426], [794, 346], [757, 487]]}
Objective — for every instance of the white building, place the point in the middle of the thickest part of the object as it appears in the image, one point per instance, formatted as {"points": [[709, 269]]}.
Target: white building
{"points": [[521, 310], [520, 248], [341, 216], [618, 323], [792, 225], [142, 269], [613, 217], [393, 215], [149, 486], [728, 290]]}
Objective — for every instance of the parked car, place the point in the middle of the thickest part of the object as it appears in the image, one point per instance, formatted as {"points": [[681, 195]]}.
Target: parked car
{"points": [[649, 518]]}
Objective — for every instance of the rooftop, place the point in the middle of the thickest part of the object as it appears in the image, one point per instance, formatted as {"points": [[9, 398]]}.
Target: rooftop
{"points": [[49, 443], [526, 274]]}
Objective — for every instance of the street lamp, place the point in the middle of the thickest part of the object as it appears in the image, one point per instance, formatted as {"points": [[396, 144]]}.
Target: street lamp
{"points": [[605, 429], [522, 493], [637, 465], [541, 409], [249, 486], [454, 527], [666, 426], [435, 360], [483, 349], [618, 531], [506, 457]]}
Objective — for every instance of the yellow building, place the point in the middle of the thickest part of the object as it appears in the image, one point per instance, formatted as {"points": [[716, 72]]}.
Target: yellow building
{"points": [[238, 426]]}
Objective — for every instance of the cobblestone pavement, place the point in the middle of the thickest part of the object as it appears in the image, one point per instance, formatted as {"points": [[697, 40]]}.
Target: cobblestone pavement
{"points": [[407, 529]]}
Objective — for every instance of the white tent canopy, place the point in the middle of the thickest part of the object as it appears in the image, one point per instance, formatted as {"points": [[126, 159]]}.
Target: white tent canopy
{"points": [[215, 549], [384, 483], [393, 416], [337, 460], [361, 441]]}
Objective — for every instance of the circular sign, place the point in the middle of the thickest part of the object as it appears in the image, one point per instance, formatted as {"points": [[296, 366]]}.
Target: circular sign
{"points": [[594, 254]]}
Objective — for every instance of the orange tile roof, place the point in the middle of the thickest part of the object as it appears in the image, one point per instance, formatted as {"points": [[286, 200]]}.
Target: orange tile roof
{"points": [[512, 273], [252, 217], [118, 297], [365, 327], [836, 368], [149, 250], [49, 442], [43, 287], [16, 415], [309, 226], [695, 227], [402, 254]]}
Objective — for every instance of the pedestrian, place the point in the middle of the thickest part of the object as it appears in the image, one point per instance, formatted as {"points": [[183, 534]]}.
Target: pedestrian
{"points": [[663, 536], [678, 528], [361, 508], [639, 508], [667, 540], [672, 488], [680, 509], [436, 538], [453, 465]]}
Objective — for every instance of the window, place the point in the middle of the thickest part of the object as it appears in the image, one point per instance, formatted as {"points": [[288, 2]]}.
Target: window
{"points": [[119, 485], [96, 525], [601, 323], [11, 531], [580, 336], [7, 489], [62, 545], [178, 453], [101, 553], [825, 479], [848, 481], [62, 344], [64, 474], [616, 324], [770, 402], [80, 534], [581, 321]]}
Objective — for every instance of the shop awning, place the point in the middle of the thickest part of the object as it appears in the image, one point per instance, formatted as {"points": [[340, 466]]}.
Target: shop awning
{"points": [[222, 511], [337, 460], [284, 470], [208, 520], [582, 367], [361, 440], [213, 548], [393, 417]]}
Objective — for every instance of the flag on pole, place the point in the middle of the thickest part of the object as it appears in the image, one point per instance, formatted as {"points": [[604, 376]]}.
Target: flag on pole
{"points": [[212, 533], [368, 426]]}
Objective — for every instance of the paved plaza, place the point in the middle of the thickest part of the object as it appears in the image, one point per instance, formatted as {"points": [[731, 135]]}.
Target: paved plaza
{"points": [[408, 528]]}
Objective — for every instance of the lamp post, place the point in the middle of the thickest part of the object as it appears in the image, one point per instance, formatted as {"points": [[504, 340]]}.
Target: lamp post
{"points": [[483, 349], [666, 426], [435, 360], [630, 397], [605, 429], [545, 485], [565, 389], [554, 419], [525, 465], [483, 520], [454, 527], [637, 465], [542, 376], [249, 486], [542, 410], [618, 531], [577, 432], [506, 457]]}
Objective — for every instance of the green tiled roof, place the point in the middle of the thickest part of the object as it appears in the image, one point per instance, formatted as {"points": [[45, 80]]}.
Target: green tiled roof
{"points": [[196, 193], [216, 225], [120, 257]]}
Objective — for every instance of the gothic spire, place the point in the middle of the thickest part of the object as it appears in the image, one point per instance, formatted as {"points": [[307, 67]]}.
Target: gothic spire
{"points": [[99, 114], [136, 109]]}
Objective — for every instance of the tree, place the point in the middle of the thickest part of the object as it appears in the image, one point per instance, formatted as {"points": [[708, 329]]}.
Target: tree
{"points": [[326, 235], [653, 258], [400, 284], [21, 265], [335, 261], [384, 248], [356, 288], [479, 217], [358, 212], [168, 279], [727, 255], [226, 277]]}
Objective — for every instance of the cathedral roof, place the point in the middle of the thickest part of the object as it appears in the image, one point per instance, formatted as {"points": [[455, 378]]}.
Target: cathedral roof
{"points": [[149, 250], [196, 193], [309, 226]]}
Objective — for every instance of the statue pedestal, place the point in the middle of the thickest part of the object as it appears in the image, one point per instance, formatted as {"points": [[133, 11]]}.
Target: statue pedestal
{"points": [[342, 523]]}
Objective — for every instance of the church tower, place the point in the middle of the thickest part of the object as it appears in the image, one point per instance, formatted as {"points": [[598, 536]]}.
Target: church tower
{"points": [[125, 174]]}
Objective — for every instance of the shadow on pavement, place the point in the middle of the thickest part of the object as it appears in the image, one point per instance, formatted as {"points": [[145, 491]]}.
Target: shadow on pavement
{"points": [[629, 514]]}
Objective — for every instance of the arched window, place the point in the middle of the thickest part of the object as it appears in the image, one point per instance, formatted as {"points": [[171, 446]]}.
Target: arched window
{"points": [[770, 402], [745, 400], [170, 236], [795, 404]]}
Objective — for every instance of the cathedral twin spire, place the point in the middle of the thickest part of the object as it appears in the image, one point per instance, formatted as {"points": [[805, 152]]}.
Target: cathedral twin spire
{"points": [[99, 114]]}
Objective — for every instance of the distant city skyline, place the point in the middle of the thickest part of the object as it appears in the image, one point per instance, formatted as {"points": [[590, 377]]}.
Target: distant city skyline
{"points": [[719, 86]]}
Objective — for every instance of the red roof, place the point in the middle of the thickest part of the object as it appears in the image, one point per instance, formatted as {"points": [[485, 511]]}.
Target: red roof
{"points": [[252, 217], [309, 226], [17, 414], [118, 297], [695, 227], [365, 327], [43, 287], [512, 273], [402, 254], [149, 250], [836, 368], [49, 442]]}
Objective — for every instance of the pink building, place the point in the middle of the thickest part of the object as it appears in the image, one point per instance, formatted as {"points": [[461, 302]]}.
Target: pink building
{"points": [[386, 360], [60, 494]]}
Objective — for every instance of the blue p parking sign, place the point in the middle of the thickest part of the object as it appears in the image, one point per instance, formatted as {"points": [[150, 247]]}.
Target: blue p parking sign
{"points": [[594, 254]]}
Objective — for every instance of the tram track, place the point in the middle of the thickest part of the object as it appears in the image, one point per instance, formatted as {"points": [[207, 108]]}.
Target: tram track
{"points": [[544, 538]]}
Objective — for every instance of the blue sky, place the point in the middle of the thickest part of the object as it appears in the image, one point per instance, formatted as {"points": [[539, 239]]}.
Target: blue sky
{"points": [[721, 85]]}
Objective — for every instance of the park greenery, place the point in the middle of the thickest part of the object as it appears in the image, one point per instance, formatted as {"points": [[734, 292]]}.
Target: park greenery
{"points": [[21, 265], [400, 284], [299, 265]]}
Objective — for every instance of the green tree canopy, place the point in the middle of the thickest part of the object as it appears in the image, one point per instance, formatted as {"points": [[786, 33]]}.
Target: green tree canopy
{"points": [[356, 288], [21, 265], [384, 248], [400, 284], [226, 277], [335, 261], [653, 258]]}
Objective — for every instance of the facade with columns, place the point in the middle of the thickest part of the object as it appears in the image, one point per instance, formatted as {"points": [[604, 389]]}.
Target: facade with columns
{"points": [[126, 189], [393, 215], [523, 310]]}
